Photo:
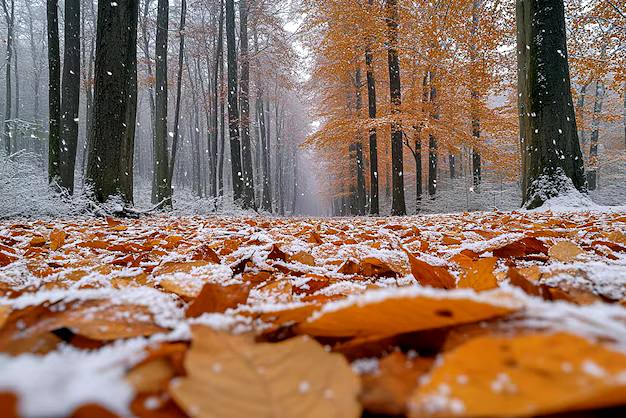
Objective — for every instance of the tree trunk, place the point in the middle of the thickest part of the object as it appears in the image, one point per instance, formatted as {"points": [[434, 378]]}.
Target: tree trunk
{"points": [[9, 15], [417, 154], [70, 90], [592, 174], [358, 148], [127, 150], [116, 49], [373, 140], [216, 93], [280, 120], [398, 207], [550, 148], [220, 161], [452, 165], [475, 96], [433, 157], [161, 192], [244, 96], [179, 86], [233, 105], [581, 106], [54, 93]]}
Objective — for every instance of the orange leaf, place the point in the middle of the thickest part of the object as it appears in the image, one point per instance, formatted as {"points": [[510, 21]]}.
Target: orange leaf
{"points": [[521, 248], [231, 376], [479, 275], [528, 375], [387, 391], [427, 275], [402, 313], [217, 298], [205, 253], [57, 239]]}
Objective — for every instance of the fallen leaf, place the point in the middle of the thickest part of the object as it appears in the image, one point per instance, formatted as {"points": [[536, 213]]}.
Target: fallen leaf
{"points": [[232, 377], [303, 257], [433, 276], [205, 253], [9, 405], [151, 377], [525, 375], [521, 248], [387, 391], [37, 241], [216, 298], [399, 314], [479, 275], [565, 251], [57, 239]]}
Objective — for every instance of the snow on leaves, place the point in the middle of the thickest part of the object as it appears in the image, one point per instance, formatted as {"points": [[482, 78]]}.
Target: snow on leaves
{"points": [[234, 317]]}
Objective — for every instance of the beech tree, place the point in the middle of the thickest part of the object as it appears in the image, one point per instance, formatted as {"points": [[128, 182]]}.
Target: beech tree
{"points": [[550, 149], [70, 95], [161, 190], [54, 93], [233, 104], [397, 160], [114, 95]]}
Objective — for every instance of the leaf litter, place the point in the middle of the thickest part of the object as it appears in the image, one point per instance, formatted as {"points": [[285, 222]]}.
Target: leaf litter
{"points": [[475, 315]]}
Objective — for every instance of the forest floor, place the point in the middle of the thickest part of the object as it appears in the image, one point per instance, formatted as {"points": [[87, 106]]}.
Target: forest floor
{"points": [[481, 314]]}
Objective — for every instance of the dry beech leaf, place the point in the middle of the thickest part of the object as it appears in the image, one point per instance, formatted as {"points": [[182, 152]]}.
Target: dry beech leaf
{"points": [[387, 391], [303, 257], [9, 405], [519, 376], [617, 236], [92, 411], [216, 298], [400, 314], [521, 248], [433, 276], [565, 251], [276, 254], [151, 377], [6, 259], [205, 253], [5, 312], [57, 239], [232, 377], [479, 275]]}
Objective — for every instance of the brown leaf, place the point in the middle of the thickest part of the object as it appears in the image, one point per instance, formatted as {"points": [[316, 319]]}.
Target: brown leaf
{"points": [[9, 405], [400, 314], [479, 275], [565, 251], [303, 257], [521, 248], [527, 375], [205, 253], [57, 239], [217, 298], [277, 254], [373, 267], [387, 391], [232, 377], [427, 275], [6, 259], [37, 241]]}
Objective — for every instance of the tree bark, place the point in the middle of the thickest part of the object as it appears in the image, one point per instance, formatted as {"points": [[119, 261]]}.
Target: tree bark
{"points": [[54, 93], [161, 192], [373, 140], [550, 148], [244, 97], [116, 49], [70, 93], [179, 86], [475, 96], [358, 148], [398, 207], [216, 93], [9, 14], [433, 156], [233, 105], [592, 173]]}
